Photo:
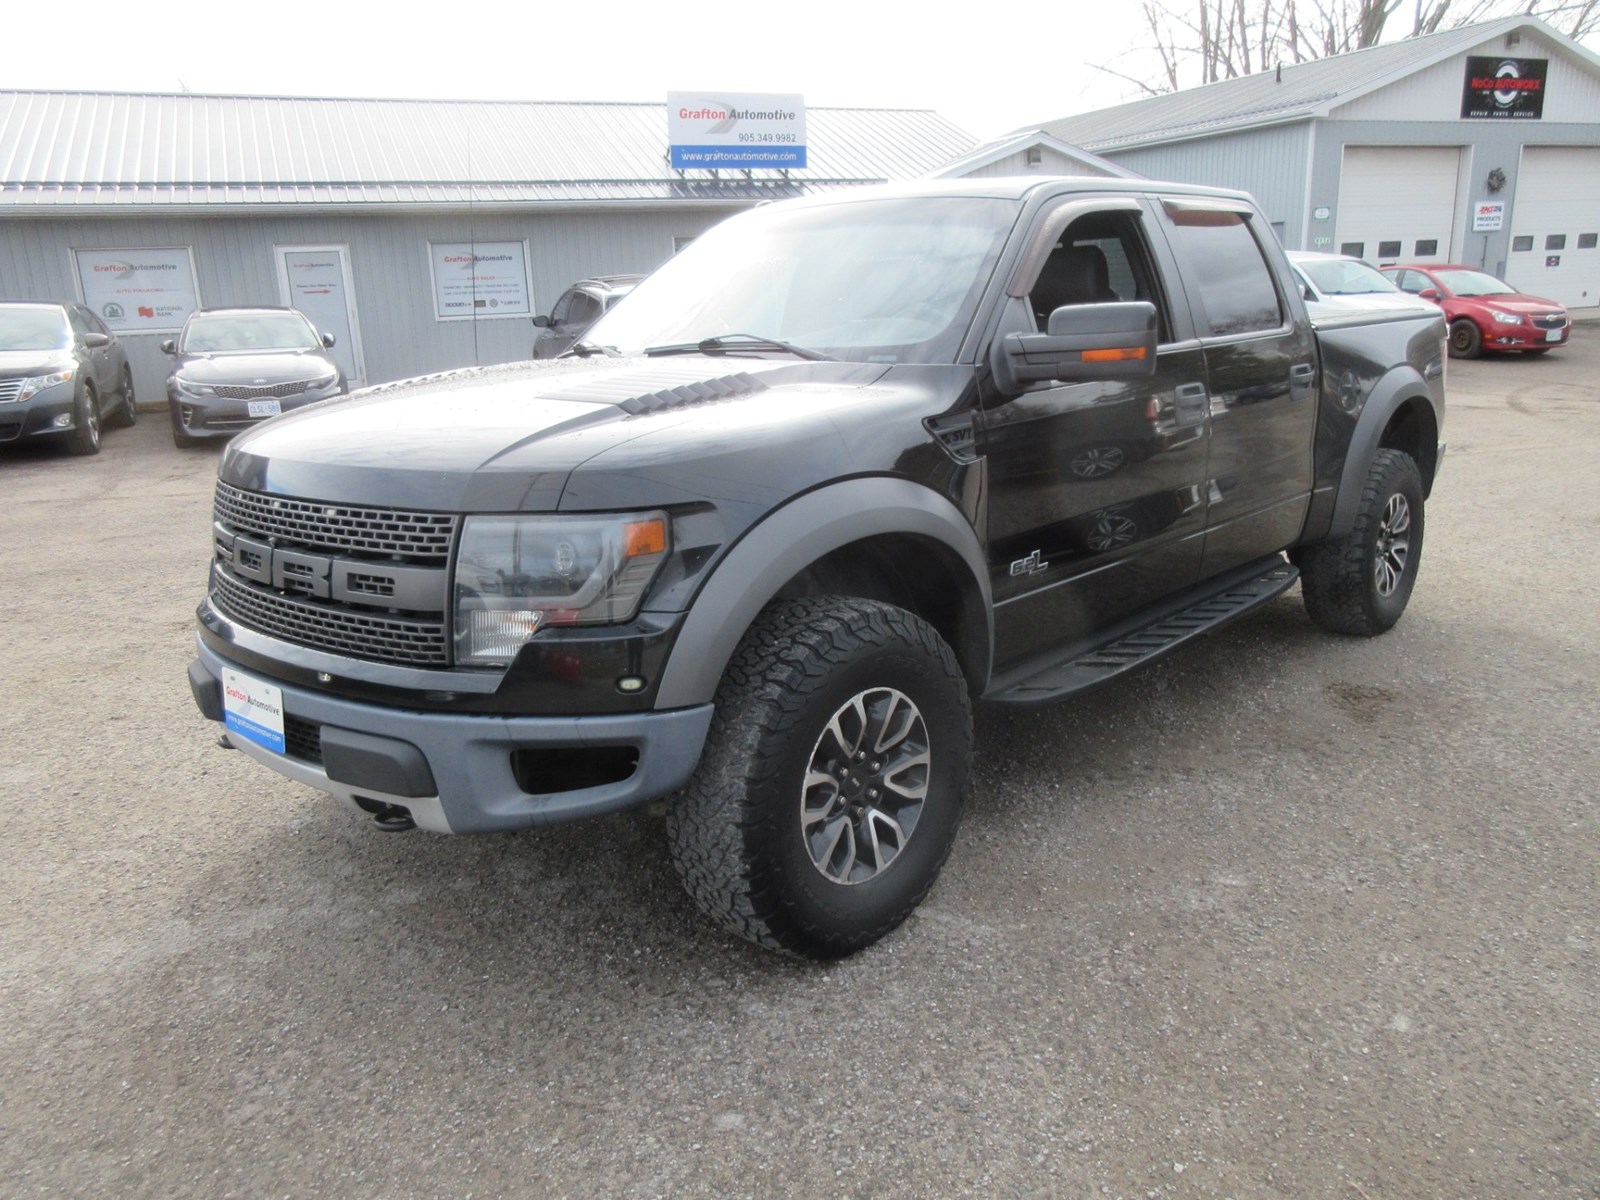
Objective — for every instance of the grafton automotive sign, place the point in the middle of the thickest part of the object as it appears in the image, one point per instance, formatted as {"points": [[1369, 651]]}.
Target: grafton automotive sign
{"points": [[737, 130], [1504, 87]]}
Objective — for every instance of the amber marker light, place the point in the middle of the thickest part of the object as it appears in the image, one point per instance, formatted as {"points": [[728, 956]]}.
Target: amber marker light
{"points": [[646, 537], [1120, 354]]}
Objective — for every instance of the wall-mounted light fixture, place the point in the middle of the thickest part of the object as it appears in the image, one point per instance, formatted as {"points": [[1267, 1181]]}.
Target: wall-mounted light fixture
{"points": [[1496, 180]]}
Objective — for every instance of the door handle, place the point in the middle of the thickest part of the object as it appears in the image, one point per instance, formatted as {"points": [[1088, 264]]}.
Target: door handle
{"points": [[1191, 400], [1301, 377]]}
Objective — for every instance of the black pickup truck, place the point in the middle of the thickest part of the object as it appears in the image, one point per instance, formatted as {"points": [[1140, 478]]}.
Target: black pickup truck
{"points": [[841, 468]]}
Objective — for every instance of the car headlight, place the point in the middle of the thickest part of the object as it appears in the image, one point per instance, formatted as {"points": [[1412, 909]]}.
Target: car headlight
{"points": [[193, 388], [322, 381], [35, 384], [517, 575], [1505, 318]]}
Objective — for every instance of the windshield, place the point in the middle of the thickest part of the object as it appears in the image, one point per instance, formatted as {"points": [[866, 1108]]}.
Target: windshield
{"points": [[1345, 277], [34, 329], [893, 280], [247, 333], [1474, 283]]}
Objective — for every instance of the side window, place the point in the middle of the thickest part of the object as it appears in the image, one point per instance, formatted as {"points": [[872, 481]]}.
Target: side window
{"points": [[1412, 281], [559, 314], [1224, 260], [585, 309], [1100, 258]]}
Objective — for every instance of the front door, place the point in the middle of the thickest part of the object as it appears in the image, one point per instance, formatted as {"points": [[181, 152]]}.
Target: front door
{"points": [[1097, 499], [316, 280]]}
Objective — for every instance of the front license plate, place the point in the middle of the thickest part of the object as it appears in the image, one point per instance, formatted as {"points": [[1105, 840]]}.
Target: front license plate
{"points": [[253, 709], [265, 408], [1553, 335]]}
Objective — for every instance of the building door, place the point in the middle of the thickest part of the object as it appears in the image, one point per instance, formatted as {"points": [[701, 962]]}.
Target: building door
{"points": [[1398, 203], [1555, 225], [316, 280]]}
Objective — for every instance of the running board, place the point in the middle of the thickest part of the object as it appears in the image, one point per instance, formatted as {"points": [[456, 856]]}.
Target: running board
{"points": [[1089, 668]]}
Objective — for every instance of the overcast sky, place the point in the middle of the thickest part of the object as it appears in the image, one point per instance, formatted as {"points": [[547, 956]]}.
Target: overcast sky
{"points": [[989, 68]]}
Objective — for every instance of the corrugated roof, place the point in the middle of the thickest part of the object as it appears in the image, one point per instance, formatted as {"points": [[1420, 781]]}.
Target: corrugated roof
{"points": [[100, 149], [1304, 90]]}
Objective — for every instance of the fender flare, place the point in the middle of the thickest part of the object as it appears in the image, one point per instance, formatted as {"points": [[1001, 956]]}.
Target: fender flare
{"points": [[776, 549], [1398, 388]]}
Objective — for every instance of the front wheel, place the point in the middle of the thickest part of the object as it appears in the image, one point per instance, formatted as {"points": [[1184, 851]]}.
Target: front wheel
{"points": [[831, 784], [1359, 584], [85, 437], [1465, 340]]}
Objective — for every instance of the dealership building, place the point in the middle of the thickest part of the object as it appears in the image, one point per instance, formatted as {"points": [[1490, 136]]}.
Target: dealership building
{"points": [[423, 234], [1478, 145]]}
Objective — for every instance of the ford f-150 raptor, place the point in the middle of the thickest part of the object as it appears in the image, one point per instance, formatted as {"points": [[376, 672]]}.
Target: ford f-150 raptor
{"points": [[844, 466]]}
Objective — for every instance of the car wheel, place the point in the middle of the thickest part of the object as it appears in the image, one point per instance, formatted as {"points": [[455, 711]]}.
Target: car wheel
{"points": [[85, 437], [1465, 340], [1359, 584], [128, 413], [832, 780]]}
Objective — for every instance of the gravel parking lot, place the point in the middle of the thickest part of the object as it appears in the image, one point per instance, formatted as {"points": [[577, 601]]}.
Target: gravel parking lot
{"points": [[1286, 915]]}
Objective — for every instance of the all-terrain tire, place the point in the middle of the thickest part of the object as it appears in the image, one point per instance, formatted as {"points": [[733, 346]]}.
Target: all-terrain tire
{"points": [[1359, 584], [832, 780]]}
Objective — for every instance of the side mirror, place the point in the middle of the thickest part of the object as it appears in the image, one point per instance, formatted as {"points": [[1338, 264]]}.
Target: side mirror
{"points": [[1084, 342], [541, 322], [1430, 294], [169, 347], [327, 341], [96, 340]]}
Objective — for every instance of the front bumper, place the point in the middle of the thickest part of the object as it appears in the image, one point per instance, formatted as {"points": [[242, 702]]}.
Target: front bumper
{"points": [[1525, 337], [467, 773], [217, 417], [50, 413]]}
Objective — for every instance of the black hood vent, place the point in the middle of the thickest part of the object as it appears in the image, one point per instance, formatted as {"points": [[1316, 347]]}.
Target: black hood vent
{"points": [[701, 391]]}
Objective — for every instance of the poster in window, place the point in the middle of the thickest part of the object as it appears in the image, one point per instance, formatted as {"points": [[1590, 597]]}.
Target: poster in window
{"points": [[475, 280], [1504, 88], [148, 290]]}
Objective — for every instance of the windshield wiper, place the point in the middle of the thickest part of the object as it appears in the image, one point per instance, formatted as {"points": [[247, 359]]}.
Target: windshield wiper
{"points": [[724, 342], [585, 349]]}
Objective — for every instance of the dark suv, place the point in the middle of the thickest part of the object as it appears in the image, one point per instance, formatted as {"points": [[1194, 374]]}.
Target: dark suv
{"points": [[579, 307], [62, 372], [238, 366]]}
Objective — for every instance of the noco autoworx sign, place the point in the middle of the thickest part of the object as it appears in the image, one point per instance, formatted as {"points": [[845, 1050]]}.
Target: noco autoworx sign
{"points": [[1504, 87], [711, 130]]}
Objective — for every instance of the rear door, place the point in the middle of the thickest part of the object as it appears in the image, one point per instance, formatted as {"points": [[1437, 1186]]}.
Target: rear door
{"points": [[1260, 362], [1096, 490]]}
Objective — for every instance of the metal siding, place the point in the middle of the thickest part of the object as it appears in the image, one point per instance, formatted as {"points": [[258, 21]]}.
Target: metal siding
{"points": [[1267, 163], [1051, 163]]}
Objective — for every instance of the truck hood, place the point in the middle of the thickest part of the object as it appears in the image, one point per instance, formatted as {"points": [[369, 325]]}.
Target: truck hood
{"points": [[507, 438]]}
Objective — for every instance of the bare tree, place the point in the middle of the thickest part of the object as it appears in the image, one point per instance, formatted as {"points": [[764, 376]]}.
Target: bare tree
{"points": [[1202, 41]]}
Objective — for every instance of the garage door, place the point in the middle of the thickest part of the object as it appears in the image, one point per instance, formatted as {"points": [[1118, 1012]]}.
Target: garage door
{"points": [[1398, 203], [1555, 224]]}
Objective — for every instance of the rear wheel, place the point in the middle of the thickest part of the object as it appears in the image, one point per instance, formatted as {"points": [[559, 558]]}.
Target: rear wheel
{"points": [[85, 437], [832, 781], [1359, 584], [1465, 340]]}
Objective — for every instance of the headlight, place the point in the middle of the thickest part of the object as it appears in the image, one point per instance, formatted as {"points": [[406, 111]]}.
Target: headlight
{"points": [[35, 384], [516, 575], [1505, 318], [322, 381], [193, 388]]}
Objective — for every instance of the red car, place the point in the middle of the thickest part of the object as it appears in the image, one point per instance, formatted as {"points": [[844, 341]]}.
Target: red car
{"points": [[1484, 313]]}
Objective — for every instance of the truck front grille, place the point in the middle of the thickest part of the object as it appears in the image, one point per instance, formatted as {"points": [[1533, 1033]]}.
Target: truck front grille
{"points": [[362, 582]]}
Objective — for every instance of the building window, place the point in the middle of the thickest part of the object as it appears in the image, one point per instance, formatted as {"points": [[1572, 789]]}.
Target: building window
{"points": [[1428, 247], [1522, 243], [1556, 241], [1388, 249], [1353, 249], [1586, 241]]}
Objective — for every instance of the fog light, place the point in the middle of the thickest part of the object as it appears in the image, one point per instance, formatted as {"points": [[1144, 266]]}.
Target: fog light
{"points": [[63, 421]]}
